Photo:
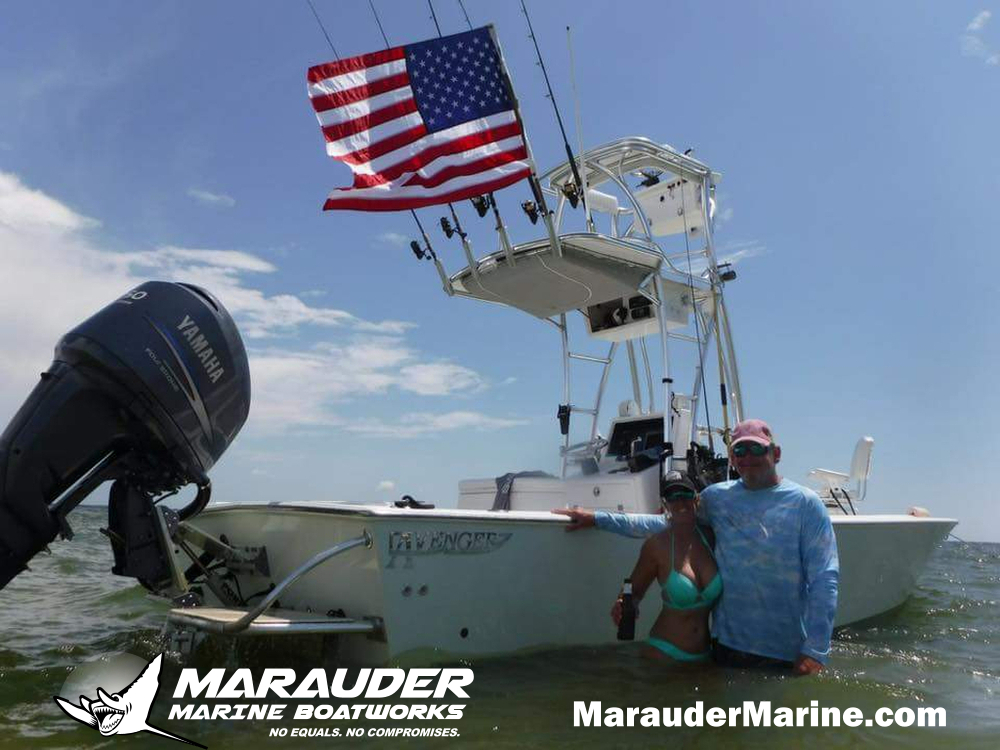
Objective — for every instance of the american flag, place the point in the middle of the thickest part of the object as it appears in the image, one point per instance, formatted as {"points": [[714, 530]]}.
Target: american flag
{"points": [[420, 125]]}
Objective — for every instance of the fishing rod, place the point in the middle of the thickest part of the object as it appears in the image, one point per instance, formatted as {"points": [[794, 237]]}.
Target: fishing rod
{"points": [[464, 13], [579, 194], [323, 29], [428, 251], [450, 231], [579, 126], [434, 17]]}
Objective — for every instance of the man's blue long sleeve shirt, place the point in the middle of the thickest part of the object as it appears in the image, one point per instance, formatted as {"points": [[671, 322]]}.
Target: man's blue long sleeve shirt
{"points": [[777, 555]]}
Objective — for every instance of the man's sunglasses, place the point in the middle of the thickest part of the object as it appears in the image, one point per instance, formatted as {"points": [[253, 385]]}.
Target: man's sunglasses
{"points": [[754, 449], [675, 497]]}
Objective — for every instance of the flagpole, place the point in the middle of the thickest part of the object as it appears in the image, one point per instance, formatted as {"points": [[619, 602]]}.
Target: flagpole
{"points": [[536, 187]]}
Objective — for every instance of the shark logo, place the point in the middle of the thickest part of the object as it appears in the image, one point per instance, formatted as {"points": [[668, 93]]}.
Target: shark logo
{"points": [[125, 712]]}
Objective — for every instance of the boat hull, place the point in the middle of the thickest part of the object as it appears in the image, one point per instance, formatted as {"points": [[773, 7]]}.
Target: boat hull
{"points": [[449, 583]]}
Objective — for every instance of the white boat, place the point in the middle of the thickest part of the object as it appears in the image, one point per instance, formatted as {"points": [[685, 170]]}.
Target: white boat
{"points": [[497, 574]]}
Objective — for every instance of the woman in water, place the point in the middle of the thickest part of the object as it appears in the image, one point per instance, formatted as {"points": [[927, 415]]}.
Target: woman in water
{"points": [[680, 559]]}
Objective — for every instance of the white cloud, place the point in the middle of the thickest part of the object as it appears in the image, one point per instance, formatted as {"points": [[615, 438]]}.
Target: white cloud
{"points": [[729, 252], [423, 424], [258, 315], [385, 485], [228, 260], [439, 379], [32, 212], [212, 199], [972, 46], [392, 238], [54, 275], [734, 252], [304, 388], [977, 23]]}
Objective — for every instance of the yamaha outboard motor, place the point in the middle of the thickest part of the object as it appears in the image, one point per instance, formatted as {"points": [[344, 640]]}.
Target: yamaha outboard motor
{"points": [[149, 393]]}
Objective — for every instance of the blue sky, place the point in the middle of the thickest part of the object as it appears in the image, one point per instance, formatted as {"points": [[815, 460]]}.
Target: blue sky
{"points": [[859, 152]]}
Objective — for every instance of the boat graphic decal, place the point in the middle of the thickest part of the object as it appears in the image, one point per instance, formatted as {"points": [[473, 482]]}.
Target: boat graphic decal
{"points": [[411, 543]]}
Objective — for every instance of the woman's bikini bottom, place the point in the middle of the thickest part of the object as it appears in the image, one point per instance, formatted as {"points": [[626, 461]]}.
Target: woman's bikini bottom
{"points": [[677, 654]]}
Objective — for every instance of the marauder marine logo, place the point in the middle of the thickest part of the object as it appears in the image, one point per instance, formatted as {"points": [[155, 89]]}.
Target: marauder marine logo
{"points": [[124, 712]]}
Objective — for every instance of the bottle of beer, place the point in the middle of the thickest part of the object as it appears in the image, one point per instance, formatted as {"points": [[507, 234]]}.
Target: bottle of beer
{"points": [[626, 626]]}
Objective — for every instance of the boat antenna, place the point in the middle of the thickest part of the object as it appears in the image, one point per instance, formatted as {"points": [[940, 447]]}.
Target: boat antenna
{"points": [[573, 199], [579, 127], [464, 13]]}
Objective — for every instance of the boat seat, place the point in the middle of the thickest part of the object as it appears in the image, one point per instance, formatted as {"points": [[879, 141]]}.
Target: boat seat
{"points": [[834, 485]]}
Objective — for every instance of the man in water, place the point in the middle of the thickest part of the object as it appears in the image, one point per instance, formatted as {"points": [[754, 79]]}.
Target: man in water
{"points": [[776, 552]]}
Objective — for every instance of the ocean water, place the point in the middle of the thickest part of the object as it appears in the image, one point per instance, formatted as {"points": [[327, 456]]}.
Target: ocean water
{"points": [[940, 649]]}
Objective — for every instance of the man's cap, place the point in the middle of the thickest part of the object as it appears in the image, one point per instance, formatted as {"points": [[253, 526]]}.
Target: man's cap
{"points": [[674, 482], [752, 431]]}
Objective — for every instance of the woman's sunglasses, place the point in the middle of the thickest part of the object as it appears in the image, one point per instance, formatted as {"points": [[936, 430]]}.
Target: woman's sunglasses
{"points": [[676, 497], [754, 449]]}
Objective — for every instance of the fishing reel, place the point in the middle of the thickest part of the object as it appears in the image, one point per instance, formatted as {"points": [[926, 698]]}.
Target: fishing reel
{"points": [[148, 394], [705, 467]]}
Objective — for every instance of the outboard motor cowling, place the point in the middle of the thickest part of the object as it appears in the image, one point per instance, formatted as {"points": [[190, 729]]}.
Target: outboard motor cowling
{"points": [[149, 392]]}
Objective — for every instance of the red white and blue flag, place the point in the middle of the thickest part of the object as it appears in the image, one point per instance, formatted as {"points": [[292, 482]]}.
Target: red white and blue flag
{"points": [[420, 125]]}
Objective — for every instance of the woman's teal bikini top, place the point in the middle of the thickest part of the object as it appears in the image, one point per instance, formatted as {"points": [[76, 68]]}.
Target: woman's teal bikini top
{"points": [[680, 592]]}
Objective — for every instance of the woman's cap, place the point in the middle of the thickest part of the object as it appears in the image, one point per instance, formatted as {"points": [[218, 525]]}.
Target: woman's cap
{"points": [[675, 482]]}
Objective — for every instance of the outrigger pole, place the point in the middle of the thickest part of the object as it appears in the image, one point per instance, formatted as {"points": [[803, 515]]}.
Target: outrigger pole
{"points": [[552, 98]]}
